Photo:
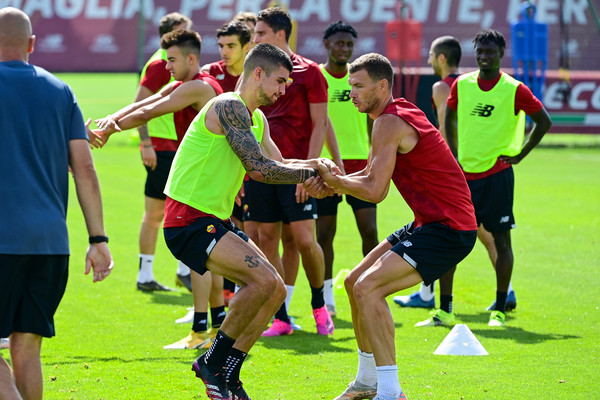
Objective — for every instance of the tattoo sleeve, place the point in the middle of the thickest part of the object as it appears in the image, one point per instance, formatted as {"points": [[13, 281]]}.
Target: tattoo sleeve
{"points": [[236, 122]]}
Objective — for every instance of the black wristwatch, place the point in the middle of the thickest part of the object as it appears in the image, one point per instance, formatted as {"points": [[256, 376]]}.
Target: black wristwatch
{"points": [[98, 239]]}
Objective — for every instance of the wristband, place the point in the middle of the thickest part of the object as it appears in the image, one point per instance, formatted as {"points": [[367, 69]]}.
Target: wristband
{"points": [[98, 239]]}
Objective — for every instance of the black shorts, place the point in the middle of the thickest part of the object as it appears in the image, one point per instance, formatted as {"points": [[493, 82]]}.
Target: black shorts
{"points": [[432, 249], [157, 178], [493, 198], [274, 203], [192, 244], [31, 288], [329, 205]]}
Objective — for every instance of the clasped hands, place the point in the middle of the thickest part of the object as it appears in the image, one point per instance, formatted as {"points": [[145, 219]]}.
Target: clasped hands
{"points": [[105, 127], [324, 184]]}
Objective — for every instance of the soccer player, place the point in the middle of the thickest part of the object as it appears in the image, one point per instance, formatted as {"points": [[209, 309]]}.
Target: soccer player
{"points": [[485, 125], [43, 135], [158, 143], [408, 150], [183, 98], [230, 137], [298, 122], [351, 129]]}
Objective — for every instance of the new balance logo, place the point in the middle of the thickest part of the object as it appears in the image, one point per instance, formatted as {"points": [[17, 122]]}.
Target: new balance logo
{"points": [[483, 110], [307, 207], [406, 243], [340, 95], [504, 219]]}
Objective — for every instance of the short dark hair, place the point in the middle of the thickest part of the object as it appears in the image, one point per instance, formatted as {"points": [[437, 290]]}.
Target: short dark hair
{"points": [[267, 57], [187, 40], [235, 28], [377, 66], [278, 19], [169, 21], [449, 46], [490, 36], [339, 27]]}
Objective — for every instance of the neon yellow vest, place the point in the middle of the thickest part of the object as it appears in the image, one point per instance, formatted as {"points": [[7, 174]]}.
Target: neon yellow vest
{"points": [[206, 174], [163, 126], [487, 124], [350, 125]]}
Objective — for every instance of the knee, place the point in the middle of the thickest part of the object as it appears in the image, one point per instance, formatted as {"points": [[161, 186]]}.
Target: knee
{"points": [[349, 283], [361, 291], [306, 243]]}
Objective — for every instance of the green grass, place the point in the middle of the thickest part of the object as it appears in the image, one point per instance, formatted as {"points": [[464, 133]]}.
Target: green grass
{"points": [[110, 337]]}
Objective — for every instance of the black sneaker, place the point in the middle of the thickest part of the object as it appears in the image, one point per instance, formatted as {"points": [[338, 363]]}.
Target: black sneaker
{"points": [[152, 286], [237, 391], [216, 385], [184, 281]]}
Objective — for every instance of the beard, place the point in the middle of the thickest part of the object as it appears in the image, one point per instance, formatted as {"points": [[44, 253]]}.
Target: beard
{"points": [[263, 98]]}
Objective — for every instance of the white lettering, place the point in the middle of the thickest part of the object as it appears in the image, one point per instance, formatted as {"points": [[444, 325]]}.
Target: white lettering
{"points": [[68, 9], [595, 100], [469, 11], [354, 10], [552, 97], [189, 6], [320, 8], [443, 11], [574, 102], [513, 10], [576, 8], [220, 10], [94, 11], [249, 5], [419, 9], [11, 3], [43, 6], [116, 6], [547, 11], [383, 11]]}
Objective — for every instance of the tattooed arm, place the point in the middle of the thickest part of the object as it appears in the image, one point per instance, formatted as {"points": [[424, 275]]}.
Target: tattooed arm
{"points": [[234, 119]]}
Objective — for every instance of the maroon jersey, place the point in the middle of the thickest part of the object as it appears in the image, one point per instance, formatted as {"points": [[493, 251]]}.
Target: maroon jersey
{"points": [[449, 80], [289, 118], [183, 118], [428, 177], [225, 79]]}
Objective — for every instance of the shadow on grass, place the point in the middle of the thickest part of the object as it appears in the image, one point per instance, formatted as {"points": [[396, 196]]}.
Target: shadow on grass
{"points": [[174, 297]]}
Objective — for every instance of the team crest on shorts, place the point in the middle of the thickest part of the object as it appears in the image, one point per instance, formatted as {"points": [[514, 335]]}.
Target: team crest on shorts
{"points": [[211, 229]]}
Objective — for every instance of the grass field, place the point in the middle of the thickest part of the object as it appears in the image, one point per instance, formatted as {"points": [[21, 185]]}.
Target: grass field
{"points": [[110, 337]]}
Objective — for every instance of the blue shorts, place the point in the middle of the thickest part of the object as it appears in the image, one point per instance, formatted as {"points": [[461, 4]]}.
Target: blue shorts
{"points": [[31, 288], [432, 249], [329, 205], [157, 178], [274, 203], [193, 243], [493, 198]]}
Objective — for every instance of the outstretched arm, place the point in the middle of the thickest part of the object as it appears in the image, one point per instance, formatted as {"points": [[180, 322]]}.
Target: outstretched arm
{"points": [[235, 122]]}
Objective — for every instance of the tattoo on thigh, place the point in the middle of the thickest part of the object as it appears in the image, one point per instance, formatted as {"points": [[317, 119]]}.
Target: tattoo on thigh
{"points": [[252, 261]]}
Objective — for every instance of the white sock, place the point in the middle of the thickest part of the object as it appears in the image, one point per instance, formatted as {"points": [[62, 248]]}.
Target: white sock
{"points": [[510, 289], [367, 374], [427, 292], [388, 385], [288, 297], [145, 272], [182, 269], [328, 292]]}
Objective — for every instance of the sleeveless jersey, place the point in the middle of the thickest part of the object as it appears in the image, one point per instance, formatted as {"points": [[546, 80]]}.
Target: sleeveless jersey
{"points": [[349, 124], [183, 118], [206, 173], [161, 127], [449, 80], [225, 79], [428, 177], [487, 124]]}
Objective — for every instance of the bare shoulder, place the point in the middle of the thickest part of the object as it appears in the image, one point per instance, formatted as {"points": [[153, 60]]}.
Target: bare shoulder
{"points": [[391, 129]]}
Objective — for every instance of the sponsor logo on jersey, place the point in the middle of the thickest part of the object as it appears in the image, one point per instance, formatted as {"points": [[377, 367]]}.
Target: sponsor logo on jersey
{"points": [[482, 110], [339, 96]]}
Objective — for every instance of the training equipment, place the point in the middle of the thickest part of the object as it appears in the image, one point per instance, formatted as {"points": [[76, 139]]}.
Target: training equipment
{"points": [[323, 319], [438, 318], [511, 302], [358, 391], [152, 286], [216, 385], [278, 328], [460, 342], [414, 300], [497, 318], [187, 318], [184, 281], [195, 340]]}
